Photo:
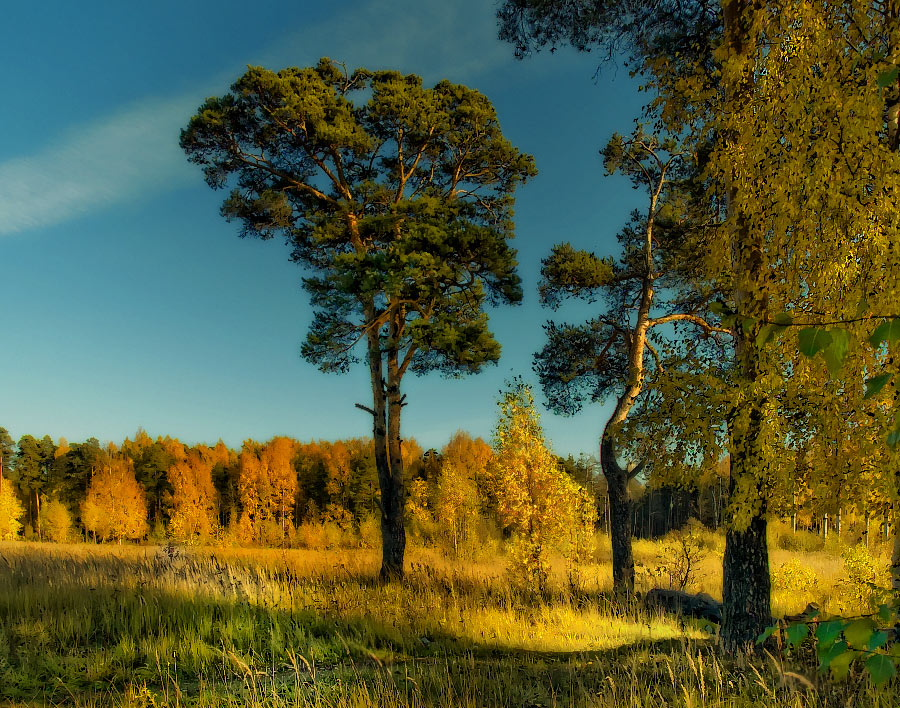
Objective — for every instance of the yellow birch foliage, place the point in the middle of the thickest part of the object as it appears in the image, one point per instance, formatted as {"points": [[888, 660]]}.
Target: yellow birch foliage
{"points": [[115, 507], [413, 457], [472, 457], [455, 504], [56, 521], [336, 457], [803, 129], [11, 511], [534, 496]]}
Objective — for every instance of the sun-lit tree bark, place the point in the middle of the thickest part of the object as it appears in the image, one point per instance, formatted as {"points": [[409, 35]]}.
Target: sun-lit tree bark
{"points": [[612, 355]]}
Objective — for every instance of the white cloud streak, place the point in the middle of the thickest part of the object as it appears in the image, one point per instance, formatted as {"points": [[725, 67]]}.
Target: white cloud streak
{"points": [[135, 151], [438, 39], [106, 162]]}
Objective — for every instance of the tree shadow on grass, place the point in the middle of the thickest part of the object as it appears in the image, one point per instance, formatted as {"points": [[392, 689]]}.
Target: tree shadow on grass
{"points": [[73, 627]]}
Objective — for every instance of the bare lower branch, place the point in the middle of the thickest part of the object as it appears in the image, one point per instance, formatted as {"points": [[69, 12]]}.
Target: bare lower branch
{"points": [[693, 319], [366, 409]]}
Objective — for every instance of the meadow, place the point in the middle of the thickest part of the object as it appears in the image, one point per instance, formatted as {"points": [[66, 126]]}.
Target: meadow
{"points": [[142, 626]]}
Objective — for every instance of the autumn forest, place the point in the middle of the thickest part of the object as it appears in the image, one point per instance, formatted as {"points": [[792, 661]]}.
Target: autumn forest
{"points": [[732, 538]]}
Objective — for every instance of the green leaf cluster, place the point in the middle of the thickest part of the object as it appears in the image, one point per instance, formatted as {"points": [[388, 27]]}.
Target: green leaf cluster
{"points": [[840, 643]]}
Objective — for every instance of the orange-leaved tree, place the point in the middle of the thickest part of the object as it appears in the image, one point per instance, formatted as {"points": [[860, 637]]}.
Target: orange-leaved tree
{"points": [[267, 487], [115, 506], [193, 494]]}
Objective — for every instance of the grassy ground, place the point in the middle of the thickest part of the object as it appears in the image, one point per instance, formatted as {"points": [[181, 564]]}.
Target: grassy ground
{"points": [[137, 626]]}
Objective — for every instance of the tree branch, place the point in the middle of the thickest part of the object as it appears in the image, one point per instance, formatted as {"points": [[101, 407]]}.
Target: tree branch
{"points": [[638, 468], [693, 319]]}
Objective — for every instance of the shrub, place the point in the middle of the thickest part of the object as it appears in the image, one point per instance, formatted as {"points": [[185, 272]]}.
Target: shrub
{"points": [[370, 532], [866, 583], [796, 541], [679, 557], [795, 578], [310, 535]]}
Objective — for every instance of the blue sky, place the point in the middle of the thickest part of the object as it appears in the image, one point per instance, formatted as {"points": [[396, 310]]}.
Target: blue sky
{"points": [[128, 301]]}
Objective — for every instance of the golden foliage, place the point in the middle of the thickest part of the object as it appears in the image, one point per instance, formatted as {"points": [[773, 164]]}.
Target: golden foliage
{"points": [[56, 521], [534, 496], [115, 507], [11, 511], [193, 496], [267, 487]]}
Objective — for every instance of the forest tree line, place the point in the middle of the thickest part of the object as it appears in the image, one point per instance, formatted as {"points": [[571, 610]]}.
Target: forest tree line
{"points": [[288, 493]]}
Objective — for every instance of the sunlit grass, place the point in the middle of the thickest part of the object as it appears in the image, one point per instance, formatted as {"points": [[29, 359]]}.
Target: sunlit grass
{"points": [[126, 625]]}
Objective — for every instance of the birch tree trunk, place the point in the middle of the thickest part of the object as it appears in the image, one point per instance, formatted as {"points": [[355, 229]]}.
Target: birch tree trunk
{"points": [[746, 582]]}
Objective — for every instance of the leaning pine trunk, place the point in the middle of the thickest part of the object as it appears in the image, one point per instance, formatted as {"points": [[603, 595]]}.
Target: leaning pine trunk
{"points": [[619, 517]]}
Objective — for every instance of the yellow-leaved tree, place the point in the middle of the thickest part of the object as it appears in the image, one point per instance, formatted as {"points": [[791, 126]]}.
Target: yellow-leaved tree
{"points": [[56, 520], [11, 511], [535, 498], [455, 504], [115, 506], [796, 108]]}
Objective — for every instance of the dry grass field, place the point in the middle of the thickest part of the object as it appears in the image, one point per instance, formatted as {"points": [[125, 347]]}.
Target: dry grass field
{"points": [[149, 626]]}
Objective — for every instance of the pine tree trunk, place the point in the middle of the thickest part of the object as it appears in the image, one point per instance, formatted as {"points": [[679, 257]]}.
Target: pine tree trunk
{"points": [[619, 517], [393, 497], [393, 536], [393, 532]]}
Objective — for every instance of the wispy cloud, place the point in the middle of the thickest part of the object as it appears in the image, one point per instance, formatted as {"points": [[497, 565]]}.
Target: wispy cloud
{"points": [[135, 151], [102, 163], [436, 39]]}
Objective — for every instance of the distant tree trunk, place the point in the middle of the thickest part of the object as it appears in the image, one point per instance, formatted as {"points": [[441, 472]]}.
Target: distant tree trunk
{"points": [[895, 558], [608, 527]]}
